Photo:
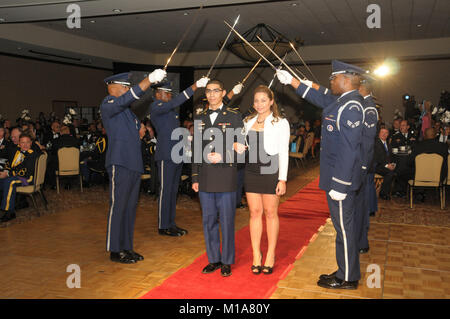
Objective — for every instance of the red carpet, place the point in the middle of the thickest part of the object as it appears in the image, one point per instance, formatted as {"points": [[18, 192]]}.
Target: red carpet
{"points": [[300, 218]]}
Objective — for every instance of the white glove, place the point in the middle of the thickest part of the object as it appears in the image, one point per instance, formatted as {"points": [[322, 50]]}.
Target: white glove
{"points": [[336, 195], [202, 82], [284, 77], [306, 82], [157, 76], [238, 88]]}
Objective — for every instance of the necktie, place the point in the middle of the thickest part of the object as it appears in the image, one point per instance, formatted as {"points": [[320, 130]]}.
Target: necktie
{"points": [[385, 147]]}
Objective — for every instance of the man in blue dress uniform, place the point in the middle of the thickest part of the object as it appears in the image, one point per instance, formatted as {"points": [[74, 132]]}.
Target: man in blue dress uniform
{"points": [[164, 114], [123, 161], [214, 175], [340, 162], [366, 196]]}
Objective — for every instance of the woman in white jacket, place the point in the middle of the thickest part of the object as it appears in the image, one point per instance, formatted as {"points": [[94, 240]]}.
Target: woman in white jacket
{"points": [[265, 173]]}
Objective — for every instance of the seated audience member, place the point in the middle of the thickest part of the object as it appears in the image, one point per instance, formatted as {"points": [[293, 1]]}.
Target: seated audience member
{"points": [[93, 161], [2, 143], [301, 137], [395, 128], [430, 145], [148, 146], [383, 163], [444, 136], [19, 172], [65, 140], [52, 135], [405, 137]]}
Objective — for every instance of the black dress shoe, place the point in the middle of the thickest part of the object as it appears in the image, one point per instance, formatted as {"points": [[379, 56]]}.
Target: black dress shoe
{"points": [[181, 230], [225, 271], [122, 257], [325, 276], [336, 283], [170, 232], [8, 216], [211, 267], [134, 255], [364, 250]]}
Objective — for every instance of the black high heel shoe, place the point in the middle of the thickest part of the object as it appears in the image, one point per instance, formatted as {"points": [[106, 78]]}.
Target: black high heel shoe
{"points": [[257, 268], [266, 270]]}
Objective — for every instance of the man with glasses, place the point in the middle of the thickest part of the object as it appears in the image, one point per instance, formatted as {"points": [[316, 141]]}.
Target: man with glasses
{"points": [[214, 176], [164, 115], [123, 161], [340, 162]]}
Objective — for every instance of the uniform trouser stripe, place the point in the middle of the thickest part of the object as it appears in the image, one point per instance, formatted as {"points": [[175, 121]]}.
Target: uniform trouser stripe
{"points": [[161, 195], [8, 198], [113, 175], [344, 236]]}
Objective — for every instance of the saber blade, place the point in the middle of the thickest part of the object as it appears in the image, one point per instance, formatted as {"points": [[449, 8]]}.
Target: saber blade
{"points": [[276, 55], [298, 54], [221, 48], [182, 38], [251, 46]]}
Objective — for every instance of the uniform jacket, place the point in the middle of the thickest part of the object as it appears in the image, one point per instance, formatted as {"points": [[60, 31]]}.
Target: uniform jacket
{"points": [[341, 137], [398, 139], [276, 141], [122, 128], [369, 134], [23, 164], [220, 177], [165, 118]]}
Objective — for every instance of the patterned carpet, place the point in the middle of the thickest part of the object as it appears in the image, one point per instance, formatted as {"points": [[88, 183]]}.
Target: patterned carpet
{"points": [[428, 213], [395, 211]]}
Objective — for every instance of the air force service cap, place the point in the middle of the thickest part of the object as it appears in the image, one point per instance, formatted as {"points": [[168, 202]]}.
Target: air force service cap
{"points": [[339, 67], [164, 86], [121, 78]]}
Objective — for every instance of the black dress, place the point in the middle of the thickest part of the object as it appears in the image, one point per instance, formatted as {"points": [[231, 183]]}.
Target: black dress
{"points": [[261, 169]]}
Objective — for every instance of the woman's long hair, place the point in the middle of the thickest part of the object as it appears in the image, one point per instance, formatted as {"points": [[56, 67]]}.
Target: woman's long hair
{"points": [[274, 108]]}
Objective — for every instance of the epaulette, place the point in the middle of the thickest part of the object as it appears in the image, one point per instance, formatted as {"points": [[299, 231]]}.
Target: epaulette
{"points": [[30, 151], [233, 109]]}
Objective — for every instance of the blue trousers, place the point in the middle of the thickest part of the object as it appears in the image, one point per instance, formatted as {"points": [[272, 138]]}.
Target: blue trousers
{"points": [[366, 202], [8, 186], [219, 208], [124, 185], [169, 180], [347, 250]]}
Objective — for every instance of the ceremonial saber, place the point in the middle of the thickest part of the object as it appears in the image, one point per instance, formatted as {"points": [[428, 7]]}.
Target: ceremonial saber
{"points": [[254, 67], [279, 68], [251, 71], [273, 52], [251, 46], [221, 48], [298, 54], [182, 38]]}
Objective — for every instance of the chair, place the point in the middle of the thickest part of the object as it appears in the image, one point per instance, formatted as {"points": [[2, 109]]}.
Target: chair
{"points": [[378, 182], [68, 164], [301, 156], [428, 174], [39, 176]]}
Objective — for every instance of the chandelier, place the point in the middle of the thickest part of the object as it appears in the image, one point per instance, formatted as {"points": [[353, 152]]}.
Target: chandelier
{"points": [[274, 39]]}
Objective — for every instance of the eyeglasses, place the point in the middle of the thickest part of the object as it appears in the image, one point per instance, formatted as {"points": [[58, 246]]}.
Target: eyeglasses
{"points": [[215, 91]]}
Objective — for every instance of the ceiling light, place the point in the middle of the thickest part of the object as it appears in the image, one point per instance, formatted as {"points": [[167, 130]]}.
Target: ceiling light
{"points": [[164, 42], [294, 4], [117, 10], [92, 21], [382, 71], [185, 14], [419, 25], [323, 32], [2, 20]]}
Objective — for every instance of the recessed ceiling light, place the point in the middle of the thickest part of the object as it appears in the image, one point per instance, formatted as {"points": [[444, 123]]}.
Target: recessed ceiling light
{"points": [[419, 25], [164, 42], [2, 20], [294, 4], [19, 48], [92, 21], [322, 32], [117, 10], [186, 13]]}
